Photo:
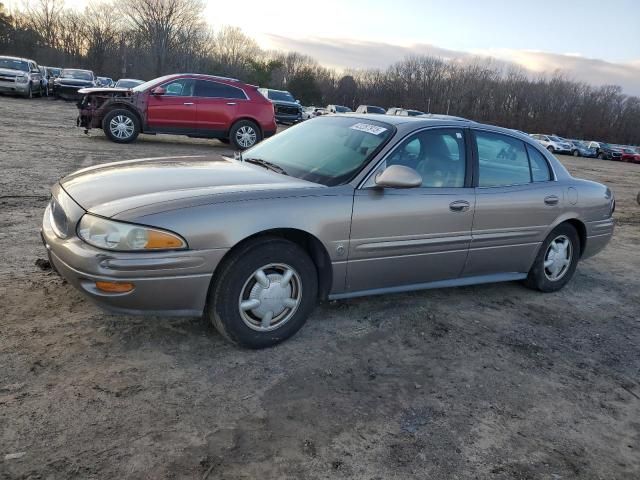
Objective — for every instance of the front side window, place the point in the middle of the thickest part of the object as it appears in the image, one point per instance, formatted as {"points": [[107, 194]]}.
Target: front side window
{"points": [[182, 87], [502, 160], [206, 88], [437, 155], [329, 150], [539, 167]]}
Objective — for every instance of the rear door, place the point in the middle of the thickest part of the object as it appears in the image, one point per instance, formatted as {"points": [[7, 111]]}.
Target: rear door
{"points": [[175, 111], [217, 106], [404, 237], [516, 201]]}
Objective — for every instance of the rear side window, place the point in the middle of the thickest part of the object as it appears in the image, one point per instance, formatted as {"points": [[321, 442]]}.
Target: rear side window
{"points": [[539, 166], [206, 88], [502, 160]]}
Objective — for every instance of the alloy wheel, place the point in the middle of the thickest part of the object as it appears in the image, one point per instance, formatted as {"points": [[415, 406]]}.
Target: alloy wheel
{"points": [[246, 136], [121, 127]]}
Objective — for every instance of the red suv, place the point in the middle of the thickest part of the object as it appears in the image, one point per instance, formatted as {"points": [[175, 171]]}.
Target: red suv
{"points": [[202, 106]]}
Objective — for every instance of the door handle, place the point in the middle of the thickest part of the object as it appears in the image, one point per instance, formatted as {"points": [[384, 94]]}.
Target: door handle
{"points": [[459, 206], [551, 200], [231, 103], [188, 103]]}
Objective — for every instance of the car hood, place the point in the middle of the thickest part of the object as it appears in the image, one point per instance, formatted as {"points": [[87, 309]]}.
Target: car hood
{"points": [[73, 82], [285, 103], [158, 184], [106, 90], [11, 71]]}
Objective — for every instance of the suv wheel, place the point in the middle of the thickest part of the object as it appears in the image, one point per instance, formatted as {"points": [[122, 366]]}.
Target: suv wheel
{"points": [[264, 293], [121, 126], [556, 261], [244, 134], [29, 93], [576, 153], [601, 156], [551, 149]]}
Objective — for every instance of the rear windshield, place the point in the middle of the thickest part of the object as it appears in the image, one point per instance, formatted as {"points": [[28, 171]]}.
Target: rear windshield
{"points": [[77, 74], [341, 109], [14, 64], [375, 110], [280, 96]]}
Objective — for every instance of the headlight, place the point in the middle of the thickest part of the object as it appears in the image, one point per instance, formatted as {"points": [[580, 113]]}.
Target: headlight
{"points": [[58, 219], [110, 235], [22, 78]]}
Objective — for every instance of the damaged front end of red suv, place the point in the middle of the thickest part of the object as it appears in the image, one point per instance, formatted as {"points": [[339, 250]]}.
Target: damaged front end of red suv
{"points": [[96, 102]]}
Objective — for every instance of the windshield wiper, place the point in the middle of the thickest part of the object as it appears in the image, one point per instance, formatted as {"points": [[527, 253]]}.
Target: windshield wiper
{"points": [[266, 164]]}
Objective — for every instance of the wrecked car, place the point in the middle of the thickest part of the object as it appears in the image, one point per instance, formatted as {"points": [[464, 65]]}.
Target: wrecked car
{"points": [[200, 106]]}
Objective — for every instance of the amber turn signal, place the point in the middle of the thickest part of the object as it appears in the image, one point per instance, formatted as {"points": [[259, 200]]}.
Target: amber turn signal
{"points": [[114, 287], [161, 240]]}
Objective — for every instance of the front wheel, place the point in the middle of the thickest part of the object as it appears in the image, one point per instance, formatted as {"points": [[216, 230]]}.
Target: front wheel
{"points": [[263, 293], [29, 93], [601, 156], [576, 153], [244, 134], [556, 261], [551, 149], [121, 126]]}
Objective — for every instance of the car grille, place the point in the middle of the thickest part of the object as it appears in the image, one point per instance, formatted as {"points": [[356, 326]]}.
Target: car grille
{"points": [[7, 77], [286, 110]]}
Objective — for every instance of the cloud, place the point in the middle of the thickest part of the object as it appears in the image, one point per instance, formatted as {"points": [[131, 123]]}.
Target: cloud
{"points": [[349, 53]]}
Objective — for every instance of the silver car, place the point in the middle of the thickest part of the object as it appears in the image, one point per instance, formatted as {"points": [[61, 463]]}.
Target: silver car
{"points": [[336, 207], [20, 76]]}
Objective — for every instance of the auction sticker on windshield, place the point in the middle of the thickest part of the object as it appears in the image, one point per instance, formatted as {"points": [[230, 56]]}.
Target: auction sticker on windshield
{"points": [[367, 127]]}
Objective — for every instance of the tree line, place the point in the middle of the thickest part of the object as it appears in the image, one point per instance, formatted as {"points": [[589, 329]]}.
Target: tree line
{"points": [[148, 38]]}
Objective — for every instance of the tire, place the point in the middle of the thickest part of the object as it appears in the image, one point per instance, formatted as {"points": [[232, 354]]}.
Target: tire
{"points": [[576, 153], [551, 149], [226, 141], [29, 93], [237, 282], [244, 134], [601, 156], [541, 277], [121, 125]]}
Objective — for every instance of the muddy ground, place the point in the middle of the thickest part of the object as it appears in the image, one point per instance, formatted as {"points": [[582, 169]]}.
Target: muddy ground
{"points": [[492, 381]]}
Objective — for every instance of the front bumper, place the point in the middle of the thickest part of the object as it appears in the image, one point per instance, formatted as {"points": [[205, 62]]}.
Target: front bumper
{"points": [[67, 91], [14, 87], [165, 283]]}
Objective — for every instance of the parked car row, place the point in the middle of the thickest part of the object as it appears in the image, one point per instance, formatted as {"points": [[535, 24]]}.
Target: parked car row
{"points": [[589, 149], [23, 76]]}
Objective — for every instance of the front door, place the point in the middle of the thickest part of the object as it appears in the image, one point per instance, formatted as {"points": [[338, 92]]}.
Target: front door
{"points": [[402, 237], [175, 111], [516, 202]]}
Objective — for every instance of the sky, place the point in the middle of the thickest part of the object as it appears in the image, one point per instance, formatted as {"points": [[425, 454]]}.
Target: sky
{"points": [[589, 40]]}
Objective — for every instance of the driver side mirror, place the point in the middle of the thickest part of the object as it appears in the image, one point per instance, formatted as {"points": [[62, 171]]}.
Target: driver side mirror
{"points": [[158, 91], [398, 176]]}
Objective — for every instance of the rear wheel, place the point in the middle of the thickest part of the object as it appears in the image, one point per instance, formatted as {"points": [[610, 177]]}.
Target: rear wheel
{"points": [[556, 261], [264, 293], [244, 134], [551, 149], [121, 126], [576, 153]]}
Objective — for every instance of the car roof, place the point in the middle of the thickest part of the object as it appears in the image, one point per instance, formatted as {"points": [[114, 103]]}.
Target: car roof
{"points": [[409, 124]]}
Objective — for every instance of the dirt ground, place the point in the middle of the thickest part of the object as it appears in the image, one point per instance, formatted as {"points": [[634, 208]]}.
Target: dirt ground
{"points": [[492, 381]]}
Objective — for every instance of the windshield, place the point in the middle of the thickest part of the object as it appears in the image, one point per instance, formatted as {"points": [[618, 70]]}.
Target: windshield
{"points": [[371, 109], [341, 109], [280, 96], [128, 83], [325, 150], [13, 64], [151, 83], [77, 75], [556, 139]]}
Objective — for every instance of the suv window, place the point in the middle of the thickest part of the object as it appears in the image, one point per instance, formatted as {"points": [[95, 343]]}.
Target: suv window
{"points": [[502, 160], [539, 166], [207, 88], [437, 155], [183, 87]]}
